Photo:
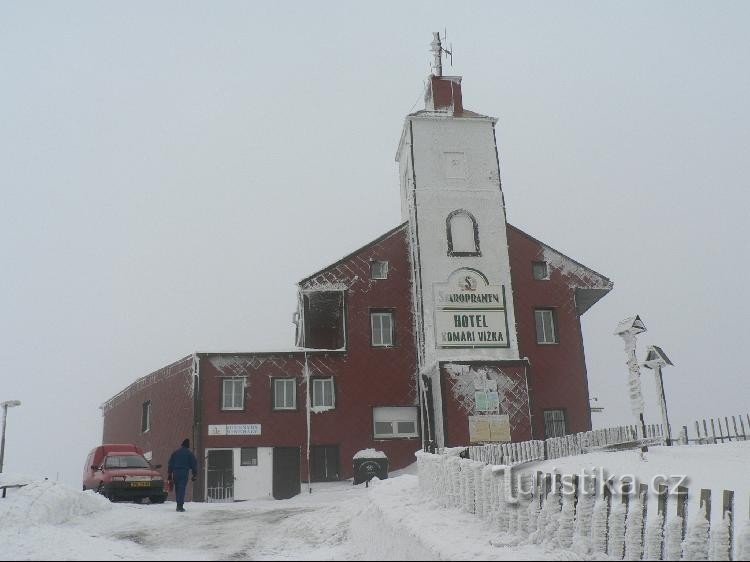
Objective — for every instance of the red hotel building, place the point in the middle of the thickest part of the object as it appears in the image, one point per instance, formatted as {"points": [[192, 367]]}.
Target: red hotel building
{"points": [[452, 328]]}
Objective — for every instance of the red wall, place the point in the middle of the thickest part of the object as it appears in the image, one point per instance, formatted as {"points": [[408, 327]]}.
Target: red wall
{"points": [[170, 391], [557, 375], [364, 376]]}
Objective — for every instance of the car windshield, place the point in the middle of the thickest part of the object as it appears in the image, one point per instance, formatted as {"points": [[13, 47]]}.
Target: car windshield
{"points": [[126, 461]]}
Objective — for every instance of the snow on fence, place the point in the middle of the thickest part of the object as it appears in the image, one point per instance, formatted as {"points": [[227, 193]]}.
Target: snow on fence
{"points": [[574, 513], [725, 433], [556, 447]]}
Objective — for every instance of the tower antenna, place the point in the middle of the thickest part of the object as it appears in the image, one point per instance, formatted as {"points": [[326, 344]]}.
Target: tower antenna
{"points": [[437, 54]]}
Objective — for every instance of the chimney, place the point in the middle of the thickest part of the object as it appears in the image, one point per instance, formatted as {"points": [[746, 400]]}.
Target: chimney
{"points": [[443, 94]]}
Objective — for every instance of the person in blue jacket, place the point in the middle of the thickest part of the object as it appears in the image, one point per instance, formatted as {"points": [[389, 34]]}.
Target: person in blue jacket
{"points": [[181, 463]]}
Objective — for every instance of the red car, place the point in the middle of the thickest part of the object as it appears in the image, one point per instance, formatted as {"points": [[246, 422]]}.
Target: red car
{"points": [[121, 472]]}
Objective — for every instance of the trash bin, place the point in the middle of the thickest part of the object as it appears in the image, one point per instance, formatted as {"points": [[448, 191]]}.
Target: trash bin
{"points": [[369, 464]]}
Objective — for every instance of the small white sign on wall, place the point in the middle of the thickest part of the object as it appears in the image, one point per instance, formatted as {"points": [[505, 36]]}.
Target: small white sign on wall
{"points": [[234, 429]]}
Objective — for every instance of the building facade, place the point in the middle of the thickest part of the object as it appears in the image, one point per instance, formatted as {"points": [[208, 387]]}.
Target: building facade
{"points": [[452, 328]]}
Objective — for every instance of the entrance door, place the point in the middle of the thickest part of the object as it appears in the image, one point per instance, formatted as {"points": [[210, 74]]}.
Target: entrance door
{"points": [[324, 463], [220, 476], [286, 481]]}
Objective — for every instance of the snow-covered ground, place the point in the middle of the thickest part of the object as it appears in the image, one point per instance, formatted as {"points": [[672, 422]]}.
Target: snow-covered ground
{"points": [[714, 467], [389, 521]]}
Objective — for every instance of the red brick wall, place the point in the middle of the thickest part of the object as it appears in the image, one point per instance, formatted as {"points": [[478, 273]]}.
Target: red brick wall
{"points": [[557, 375], [170, 391], [364, 376]]}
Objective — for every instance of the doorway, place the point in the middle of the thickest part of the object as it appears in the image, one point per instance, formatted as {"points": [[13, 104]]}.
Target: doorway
{"points": [[324, 463], [286, 481], [220, 476]]}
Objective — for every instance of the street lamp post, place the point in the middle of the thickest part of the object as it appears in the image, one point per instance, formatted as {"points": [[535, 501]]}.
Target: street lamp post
{"points": [[656, 359], [5, 406]]}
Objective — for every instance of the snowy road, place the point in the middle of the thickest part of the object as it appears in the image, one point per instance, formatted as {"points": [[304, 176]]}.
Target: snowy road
{"points": [[308, 527]]}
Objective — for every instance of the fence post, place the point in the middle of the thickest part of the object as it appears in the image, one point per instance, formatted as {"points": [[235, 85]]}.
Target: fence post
{"points": [[727, 516], [713, 429]]}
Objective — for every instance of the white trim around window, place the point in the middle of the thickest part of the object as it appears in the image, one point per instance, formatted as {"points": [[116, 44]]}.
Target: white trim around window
{"points": [[381, 323], [323, 394], [233, 394], [284, 394], [546, 331], [395, 422]]}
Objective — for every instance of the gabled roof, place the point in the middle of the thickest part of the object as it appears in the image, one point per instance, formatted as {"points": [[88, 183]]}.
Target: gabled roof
{"points": [[379, 239], [589, 285]]}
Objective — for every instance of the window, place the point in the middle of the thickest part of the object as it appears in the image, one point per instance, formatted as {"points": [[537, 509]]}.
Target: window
{"points": [[382, 329], [545, 325], [539, 270], [146, 417], [233, 394], [249, 456], [463, 234], [378, 270], [322, 394], [395, 422], [125, 461], [554, 424], [284, 394]]}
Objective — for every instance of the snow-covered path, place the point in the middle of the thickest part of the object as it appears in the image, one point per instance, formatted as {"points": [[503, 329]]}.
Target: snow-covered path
{"points": [[308, 527]]}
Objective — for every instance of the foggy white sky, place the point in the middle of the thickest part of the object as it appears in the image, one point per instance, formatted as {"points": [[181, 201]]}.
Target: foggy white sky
{"points": [[168, 172]]}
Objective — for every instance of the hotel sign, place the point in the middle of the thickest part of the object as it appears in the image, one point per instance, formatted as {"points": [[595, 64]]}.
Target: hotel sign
{"points": [[469, 312]]}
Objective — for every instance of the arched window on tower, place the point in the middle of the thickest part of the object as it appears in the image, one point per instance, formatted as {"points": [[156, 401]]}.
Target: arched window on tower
{"points": [[463, 234]]}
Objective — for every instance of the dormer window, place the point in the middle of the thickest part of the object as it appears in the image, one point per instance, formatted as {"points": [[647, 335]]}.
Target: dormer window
{"points": [[463, 234], [378, 269]]}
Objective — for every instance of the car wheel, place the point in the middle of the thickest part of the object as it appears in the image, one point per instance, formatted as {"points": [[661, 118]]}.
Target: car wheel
{"points": [[157, 499]]}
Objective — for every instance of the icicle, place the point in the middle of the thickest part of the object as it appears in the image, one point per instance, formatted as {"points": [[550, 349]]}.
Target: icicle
{"points": [[585, 510], [533, 515], [655, 537], [616, 543], [673, 539], [743, 543], [566, 526], [487, 492], [720, 543], [696, 541], [634, 530], [599, 526], [551, 509]]}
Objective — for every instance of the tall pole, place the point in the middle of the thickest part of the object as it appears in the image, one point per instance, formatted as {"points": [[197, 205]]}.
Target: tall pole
{"points": [[2, 441], [5, 406], [655, 360], [663, 404], [308, 409]]}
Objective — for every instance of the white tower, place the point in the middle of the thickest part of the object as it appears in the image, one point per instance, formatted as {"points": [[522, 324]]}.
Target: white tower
{"points": [[452, 199]]}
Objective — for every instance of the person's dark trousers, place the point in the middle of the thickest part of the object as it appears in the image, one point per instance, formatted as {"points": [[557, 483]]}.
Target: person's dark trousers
{"points": [[180, 485]]}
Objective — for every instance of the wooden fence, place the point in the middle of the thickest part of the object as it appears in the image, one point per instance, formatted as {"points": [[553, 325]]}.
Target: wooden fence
{"points": [[576, 514], [570, 445], [735, 432]]}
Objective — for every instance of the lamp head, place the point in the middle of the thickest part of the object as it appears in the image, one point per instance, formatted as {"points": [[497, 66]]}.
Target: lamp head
{"points": [[10, 404]]}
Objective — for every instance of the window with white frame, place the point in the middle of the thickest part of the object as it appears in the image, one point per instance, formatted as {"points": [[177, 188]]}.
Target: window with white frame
{"points": [[378, 269], [233, 394], [323, 396], [284, 394], [146, 417], [382, 329], [545, 325], [395, 422]]}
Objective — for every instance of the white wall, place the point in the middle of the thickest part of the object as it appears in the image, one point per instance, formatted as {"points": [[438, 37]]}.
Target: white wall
{"points": [[252, 482]]}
